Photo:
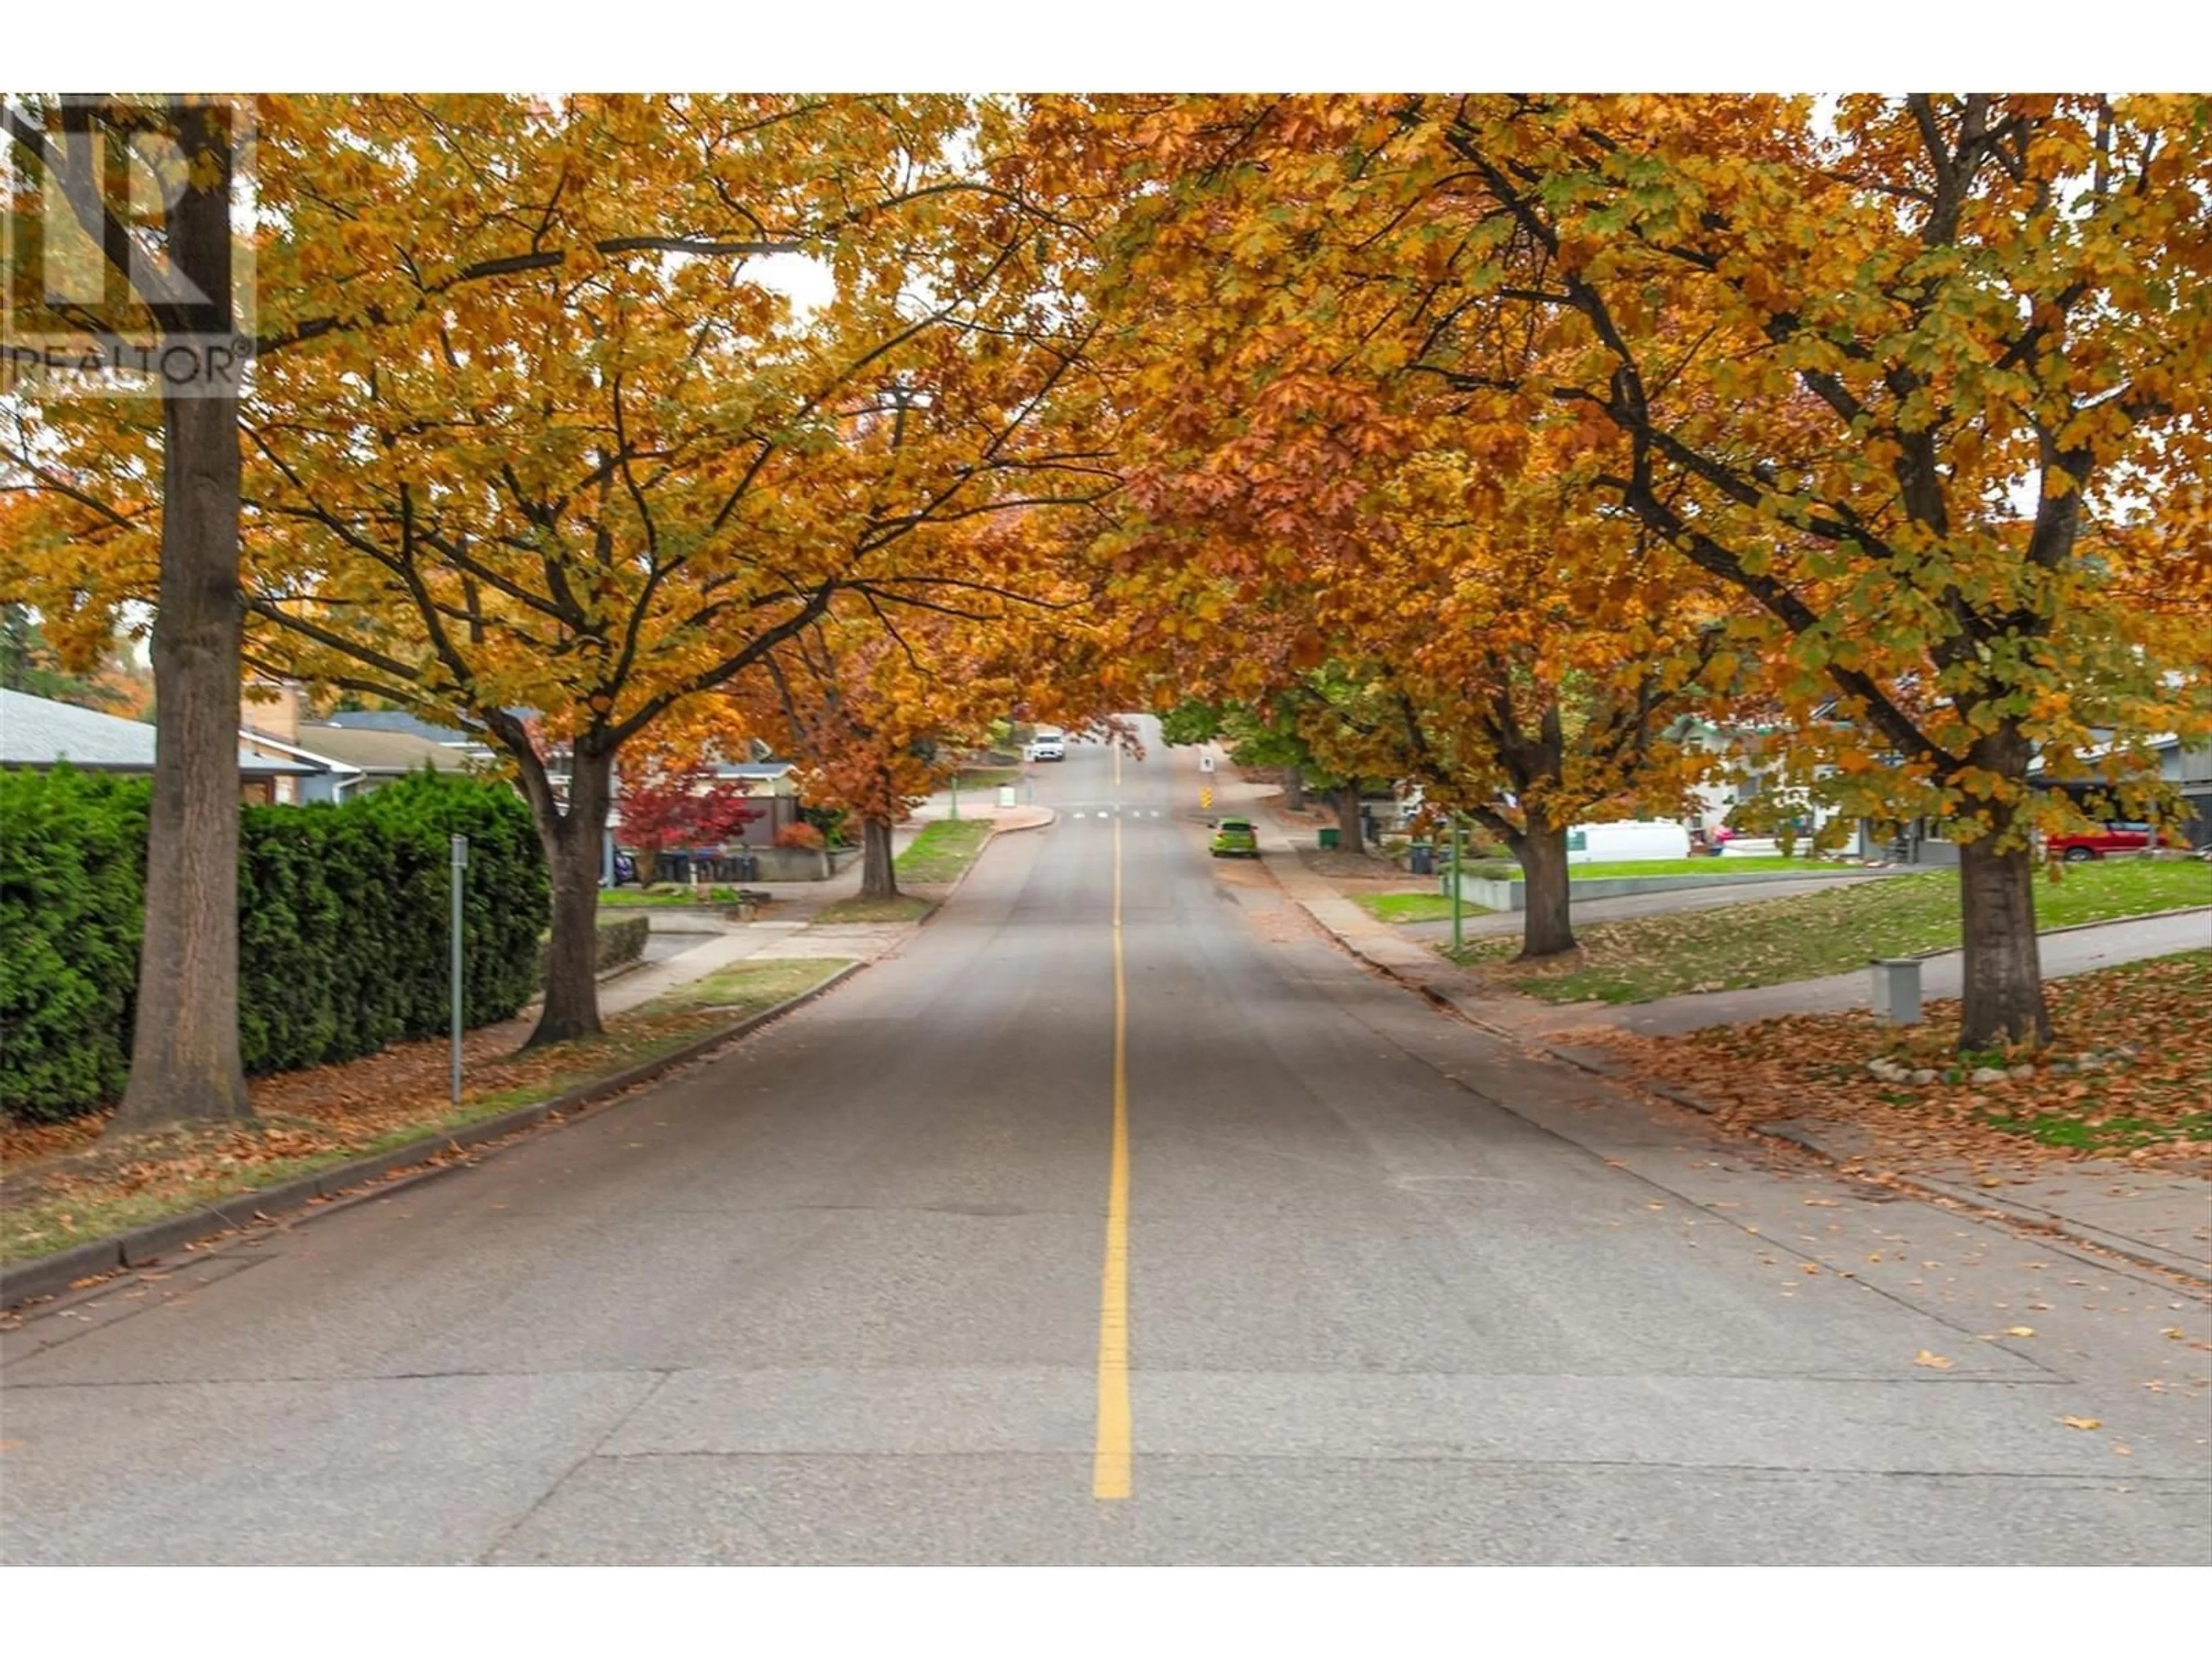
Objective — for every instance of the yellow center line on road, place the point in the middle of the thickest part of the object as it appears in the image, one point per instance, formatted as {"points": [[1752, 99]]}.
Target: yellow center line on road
{"points": [[1109, 1468]]}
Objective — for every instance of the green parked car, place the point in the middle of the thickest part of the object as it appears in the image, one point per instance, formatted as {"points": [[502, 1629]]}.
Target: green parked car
{"points": [[1235, 838]]}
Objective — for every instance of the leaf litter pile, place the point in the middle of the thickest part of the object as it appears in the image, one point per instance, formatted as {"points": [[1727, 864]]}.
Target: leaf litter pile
{"points": [[59, 1184], [2128, 1074]]}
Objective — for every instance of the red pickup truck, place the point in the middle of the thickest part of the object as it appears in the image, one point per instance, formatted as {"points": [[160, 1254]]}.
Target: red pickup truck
{"points": [[2122, 837]]}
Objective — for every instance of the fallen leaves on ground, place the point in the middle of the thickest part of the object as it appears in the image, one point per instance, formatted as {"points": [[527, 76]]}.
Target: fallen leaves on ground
{"points": [[2082, 1422], [2150, 1108], [61, 1182], [1933, 1362]]}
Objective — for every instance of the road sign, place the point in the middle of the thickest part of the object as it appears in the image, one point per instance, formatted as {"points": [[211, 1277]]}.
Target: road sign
{"points": [[1205, 762], [1205, 800], [460, 857]]}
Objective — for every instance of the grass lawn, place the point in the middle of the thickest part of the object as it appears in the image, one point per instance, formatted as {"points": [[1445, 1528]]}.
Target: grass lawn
{"points": [[745, 988], [720, 896], [990, 777], [62, 1187], [1412, 907], [1760, 863], [1507, 869], [1765, 942], [944, 848], [2148, 1104], [906, 907]]}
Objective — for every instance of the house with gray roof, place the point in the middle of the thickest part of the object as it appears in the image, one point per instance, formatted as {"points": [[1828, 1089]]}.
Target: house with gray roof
{"points": [[39, 733], [376, 756]]}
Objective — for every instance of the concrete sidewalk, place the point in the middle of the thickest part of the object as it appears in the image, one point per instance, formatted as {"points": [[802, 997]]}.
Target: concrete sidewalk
{"points": [[2065, 952], [2150, 1217]]}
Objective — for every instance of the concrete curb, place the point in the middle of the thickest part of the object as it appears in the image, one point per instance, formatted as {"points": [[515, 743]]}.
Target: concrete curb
{"points": [[49, 1275], [1802, 1134]]}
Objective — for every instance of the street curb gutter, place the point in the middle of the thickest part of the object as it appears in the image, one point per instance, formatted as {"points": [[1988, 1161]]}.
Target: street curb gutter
{"points": [[49, 1275], [1798, 1132]]}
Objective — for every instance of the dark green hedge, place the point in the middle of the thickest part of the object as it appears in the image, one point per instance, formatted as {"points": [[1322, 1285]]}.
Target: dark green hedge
{"points": [[72, 881], [342, 915], [621, 938]]}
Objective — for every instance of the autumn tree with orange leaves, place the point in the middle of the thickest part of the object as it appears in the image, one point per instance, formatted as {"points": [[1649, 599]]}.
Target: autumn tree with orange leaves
{"points": [[871, 716], [1486, 639], [1433, 595], [621, 474], [1921, 381]]}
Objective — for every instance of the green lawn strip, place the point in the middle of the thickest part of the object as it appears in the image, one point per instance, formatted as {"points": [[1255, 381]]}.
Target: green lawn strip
{"points": [[1412, 907], [944, 848], [1763, 864], [990, 777], [720, 896], [1760, 864], [746, 987], [905, 908], [43, 1226], [1766, 942]]}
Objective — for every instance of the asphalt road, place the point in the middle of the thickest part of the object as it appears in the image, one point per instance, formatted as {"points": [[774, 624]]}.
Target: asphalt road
{"points": [[1394, 1292]]}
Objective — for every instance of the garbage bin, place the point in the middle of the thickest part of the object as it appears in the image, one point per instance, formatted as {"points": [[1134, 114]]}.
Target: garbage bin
{"points": [[748, 866], [1421, 858], [1328, 840]]}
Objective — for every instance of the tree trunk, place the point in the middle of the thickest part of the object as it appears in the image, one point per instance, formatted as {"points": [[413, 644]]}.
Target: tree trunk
{"points": [[878, 873], [1347, 805], [572, 841], [1542, 852], [184, 1056], [2003, 969], [1294, 788]]}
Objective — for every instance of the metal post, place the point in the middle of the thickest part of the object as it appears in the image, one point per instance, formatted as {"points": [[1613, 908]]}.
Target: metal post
{"points": [[453, 976], [1458, 939], [956, 794]]}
